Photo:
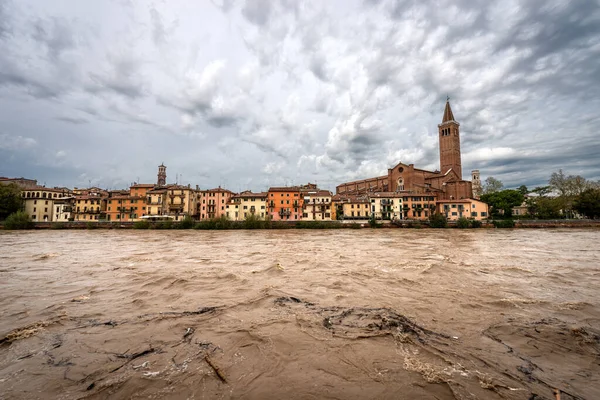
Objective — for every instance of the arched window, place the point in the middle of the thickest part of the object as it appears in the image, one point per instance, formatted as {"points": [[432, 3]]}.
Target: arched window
{"points": [[28, 194]]}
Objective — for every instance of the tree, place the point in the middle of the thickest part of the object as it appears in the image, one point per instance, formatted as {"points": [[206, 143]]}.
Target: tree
{"points": [[523, 190], [588, 203], [544, 207], [503, 202], [438, 220], [10, 200], [492, 185], [568, 188], [542, 190]]}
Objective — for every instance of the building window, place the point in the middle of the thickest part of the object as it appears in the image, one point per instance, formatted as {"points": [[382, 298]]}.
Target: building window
{"points": [[453, 213]]}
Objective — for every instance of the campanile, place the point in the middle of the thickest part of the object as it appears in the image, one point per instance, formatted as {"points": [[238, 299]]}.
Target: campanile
{"points": [[449, 134]]}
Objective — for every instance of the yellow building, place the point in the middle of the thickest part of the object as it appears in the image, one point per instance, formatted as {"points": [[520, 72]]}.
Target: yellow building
{"points": [[468, 208], [38, 201], [245, 204], [317, 205], [386, 206], [180, 201], [349, 207], [90, 207], [154, 201]]}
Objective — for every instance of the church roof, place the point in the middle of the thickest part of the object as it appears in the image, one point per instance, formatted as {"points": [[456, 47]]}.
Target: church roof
{"points": [[448, 116]]}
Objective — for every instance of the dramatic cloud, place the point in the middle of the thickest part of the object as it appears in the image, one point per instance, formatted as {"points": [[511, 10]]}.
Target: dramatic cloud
{"points": [[255, 93]]}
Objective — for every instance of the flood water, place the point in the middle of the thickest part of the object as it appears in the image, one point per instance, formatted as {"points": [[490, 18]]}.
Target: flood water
{"points": [[340, 314]]}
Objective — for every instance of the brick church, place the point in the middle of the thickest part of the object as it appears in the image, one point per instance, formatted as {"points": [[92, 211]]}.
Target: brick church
{"points": [[445, 184]]}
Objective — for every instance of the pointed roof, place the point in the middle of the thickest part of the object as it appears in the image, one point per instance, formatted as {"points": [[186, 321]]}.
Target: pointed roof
{"points": [[448, 116]]}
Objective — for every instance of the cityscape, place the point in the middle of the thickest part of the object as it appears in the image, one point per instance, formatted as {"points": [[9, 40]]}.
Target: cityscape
{"points": [[406, 193]]}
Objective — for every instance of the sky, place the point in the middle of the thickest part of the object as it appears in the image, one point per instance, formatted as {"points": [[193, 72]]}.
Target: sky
{"points": [[258, 93]]}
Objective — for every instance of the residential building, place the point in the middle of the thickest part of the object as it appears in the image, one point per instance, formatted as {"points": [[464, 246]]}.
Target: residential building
{"points": [[247, 203], [38, 201], [468, 208], [285, 203], [90, 207], [213, 202], [181, 201], [125, 208], [418, 207], [155, 201], [63, 209], [316, 204], [386, 206], [351, 207]]}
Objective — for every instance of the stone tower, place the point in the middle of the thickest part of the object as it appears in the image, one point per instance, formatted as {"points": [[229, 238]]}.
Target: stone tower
{"points": [[162, 175], [449, 134], [476, 184]]}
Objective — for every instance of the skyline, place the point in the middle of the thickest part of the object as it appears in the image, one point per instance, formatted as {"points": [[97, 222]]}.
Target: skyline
{"points": [[248, 95]]}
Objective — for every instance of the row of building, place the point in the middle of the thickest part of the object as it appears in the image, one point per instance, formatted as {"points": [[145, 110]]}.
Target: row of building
{"points": [[292, 203], [405, 192]]}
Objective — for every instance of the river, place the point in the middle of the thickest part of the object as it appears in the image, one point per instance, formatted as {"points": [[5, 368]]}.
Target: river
{"points": [[307, 314]]}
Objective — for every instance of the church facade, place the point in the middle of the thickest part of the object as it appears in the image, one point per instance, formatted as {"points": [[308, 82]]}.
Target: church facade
{"points": [[445, 184]]}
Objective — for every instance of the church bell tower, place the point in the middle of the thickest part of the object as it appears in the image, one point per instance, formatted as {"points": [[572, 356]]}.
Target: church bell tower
{"points": [[162, 175], [449, 134]]}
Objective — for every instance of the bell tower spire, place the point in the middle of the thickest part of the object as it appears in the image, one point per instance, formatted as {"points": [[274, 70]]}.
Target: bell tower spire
{"points": [[449, 137]]}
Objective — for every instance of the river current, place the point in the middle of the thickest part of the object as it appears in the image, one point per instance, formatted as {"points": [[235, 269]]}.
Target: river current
{"points": [[302, 314]]}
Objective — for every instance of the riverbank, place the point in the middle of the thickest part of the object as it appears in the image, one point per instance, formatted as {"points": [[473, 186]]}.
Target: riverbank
{"points": [[354, 224]]}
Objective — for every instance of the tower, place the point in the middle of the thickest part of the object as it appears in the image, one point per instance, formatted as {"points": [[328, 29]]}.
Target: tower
{"points": [[162, 175], [476, 183], [449, 135]]}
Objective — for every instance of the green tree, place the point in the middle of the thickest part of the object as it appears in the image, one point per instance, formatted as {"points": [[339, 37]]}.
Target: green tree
{"points": [[544, 207], [10, 200], [588, 203], [503, 202], [18, 220], [542, 190], [523, 190], [492, 185], [438, 220]]}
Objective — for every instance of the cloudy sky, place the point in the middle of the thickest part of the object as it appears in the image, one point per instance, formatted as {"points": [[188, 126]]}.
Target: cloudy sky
{"points": [[247, 94]]}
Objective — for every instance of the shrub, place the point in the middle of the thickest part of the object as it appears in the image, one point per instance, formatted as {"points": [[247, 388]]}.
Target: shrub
{"points": [[253, 221], [186, 223], [373, 222], [463, 223], [144, 224], [318, 225], [354, 225], [438, 220], [476, 223], [168, 224], [18, 220], [91, 225], [507, 223]]}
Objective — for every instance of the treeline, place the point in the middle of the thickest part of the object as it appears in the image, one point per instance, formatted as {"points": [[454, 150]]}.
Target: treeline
{"points": [[565, 196]]}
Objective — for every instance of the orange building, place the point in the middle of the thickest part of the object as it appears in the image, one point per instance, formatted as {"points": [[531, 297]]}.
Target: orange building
{"points": [[125, 208], [418, 206], [285, 203]]}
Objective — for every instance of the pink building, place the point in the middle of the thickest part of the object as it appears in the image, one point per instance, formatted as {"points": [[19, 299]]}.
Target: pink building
{"points": [[213, 202]]}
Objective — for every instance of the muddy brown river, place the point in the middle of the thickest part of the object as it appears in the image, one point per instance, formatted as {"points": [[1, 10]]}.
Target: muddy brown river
{"points": [[300, 314]]}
